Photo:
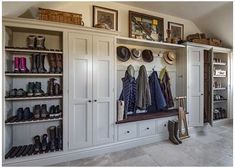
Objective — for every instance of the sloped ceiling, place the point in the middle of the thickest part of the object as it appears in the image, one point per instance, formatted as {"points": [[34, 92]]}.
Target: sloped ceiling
{"points": [[213, 18]]}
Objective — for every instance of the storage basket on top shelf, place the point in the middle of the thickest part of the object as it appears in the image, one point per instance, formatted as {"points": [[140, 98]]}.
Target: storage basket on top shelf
{"points": [[60, 16]]}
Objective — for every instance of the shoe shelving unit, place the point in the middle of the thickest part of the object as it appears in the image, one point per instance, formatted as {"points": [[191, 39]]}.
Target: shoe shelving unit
{"points": [[19, 134], [220, 85]]}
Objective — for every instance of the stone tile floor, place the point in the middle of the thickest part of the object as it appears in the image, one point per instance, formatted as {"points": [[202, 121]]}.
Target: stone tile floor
{"points": [[207, 146]]}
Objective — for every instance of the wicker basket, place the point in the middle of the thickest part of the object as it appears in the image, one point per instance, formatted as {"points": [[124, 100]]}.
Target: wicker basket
{"points": [[60, 16], [215, 42]]}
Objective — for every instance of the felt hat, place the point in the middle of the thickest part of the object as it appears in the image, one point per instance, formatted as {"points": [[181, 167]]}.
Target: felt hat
{"points": [[136, 54], [147, 55], [123, 53], [169, 57]]}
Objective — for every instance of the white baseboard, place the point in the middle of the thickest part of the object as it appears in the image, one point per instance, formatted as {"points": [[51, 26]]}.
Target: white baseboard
{"points": [[64, 156]]}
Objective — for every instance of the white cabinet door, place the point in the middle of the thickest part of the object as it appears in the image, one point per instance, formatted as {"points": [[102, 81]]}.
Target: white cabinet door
{"points": [[80, 90], [103, 89], [195, 86]]}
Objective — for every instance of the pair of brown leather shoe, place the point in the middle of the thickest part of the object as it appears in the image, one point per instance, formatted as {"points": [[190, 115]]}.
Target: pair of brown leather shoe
{"points": [[173, 132], [55, 62]]}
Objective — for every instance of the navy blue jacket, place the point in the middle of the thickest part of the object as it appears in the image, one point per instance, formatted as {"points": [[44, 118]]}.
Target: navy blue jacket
{"points": [[157, 97], [128, 94]]}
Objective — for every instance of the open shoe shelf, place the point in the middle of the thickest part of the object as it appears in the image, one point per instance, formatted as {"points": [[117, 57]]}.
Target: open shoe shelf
{"points": [[11, 49], [33, 74], [33, 98], [34, 121]]}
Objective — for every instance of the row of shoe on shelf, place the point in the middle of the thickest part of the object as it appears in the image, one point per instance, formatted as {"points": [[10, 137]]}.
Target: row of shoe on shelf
{"points": [[35, 89], [38, 63], [218, 97], [53, 141], [39, 112], [219, 113]]}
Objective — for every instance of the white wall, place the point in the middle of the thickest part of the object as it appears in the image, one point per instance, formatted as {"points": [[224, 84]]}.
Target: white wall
{"points": [[218, 24], [85, 8]]}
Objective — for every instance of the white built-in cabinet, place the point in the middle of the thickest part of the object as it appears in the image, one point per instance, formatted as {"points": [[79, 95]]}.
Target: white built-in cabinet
{"points": [[190, 82], [91, 89], [195, 85]]}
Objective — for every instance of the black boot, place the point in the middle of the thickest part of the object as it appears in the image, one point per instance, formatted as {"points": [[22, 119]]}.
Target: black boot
{"points": [[30, 89], [52, 136], [44, 142], [34, 63], [41, 68], [37, 143], [171, 128], [52, 111], [60, 137], [176, 124]]}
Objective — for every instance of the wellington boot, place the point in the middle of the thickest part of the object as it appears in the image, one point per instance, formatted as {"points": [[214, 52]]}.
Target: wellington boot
{"points": [[38, 89], [59, 60], [34, 64], [176, 124], [41, 68], [50, 87], [52, 63], [52, 137], [171, 128]]}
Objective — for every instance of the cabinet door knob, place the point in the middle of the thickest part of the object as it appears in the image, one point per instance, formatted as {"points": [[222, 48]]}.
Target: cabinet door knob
{"points": [[128, 132], [147, 128], [89, 101], [95, 100]]}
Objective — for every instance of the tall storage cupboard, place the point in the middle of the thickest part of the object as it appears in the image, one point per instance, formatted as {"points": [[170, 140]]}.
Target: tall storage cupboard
{"points": [[91, 94]]}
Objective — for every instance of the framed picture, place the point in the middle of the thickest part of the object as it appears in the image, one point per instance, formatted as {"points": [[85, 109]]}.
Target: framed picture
{"points": [[142, 26], [105, 15], [177, 30]]}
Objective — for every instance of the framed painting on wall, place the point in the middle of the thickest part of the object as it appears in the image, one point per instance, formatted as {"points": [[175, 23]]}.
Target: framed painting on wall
{"points": [[177, 30], [142, 26], [105, 15]]}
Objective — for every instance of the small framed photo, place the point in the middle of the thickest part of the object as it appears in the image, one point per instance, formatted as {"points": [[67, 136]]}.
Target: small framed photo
{"points": [[177, 30], [105, 15]]}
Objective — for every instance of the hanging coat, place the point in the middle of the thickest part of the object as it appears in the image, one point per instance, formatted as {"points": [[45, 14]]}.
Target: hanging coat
{"points": [[166, 87], [143, 97], [128, 94], [157, 97]]}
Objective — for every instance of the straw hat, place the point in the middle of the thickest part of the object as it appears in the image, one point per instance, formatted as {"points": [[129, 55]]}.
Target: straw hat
{"points": [[169, 57]]}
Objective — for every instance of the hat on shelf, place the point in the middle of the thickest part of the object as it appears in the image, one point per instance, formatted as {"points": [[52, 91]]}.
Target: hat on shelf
{"points": [[136, 54], [147, 55], [169, 57], [123, 53]]}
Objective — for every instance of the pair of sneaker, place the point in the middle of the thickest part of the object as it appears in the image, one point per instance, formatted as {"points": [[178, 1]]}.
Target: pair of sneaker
{"points": [[55, 111], [24, 114]]}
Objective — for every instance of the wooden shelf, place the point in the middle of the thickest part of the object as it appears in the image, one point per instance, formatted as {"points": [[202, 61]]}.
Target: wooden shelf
{"points": [[34, 74], [34, 121], [32, 51], [33, 98], [217, 76], [220, 101], [147, 43], [219, 88], [148, 116], [219, 63]]}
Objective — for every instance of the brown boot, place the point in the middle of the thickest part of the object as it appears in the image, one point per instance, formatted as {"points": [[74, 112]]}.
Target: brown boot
{"points": [[52, 63], [171, 128], [50, 88], [176, 125], [59, 60]]}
